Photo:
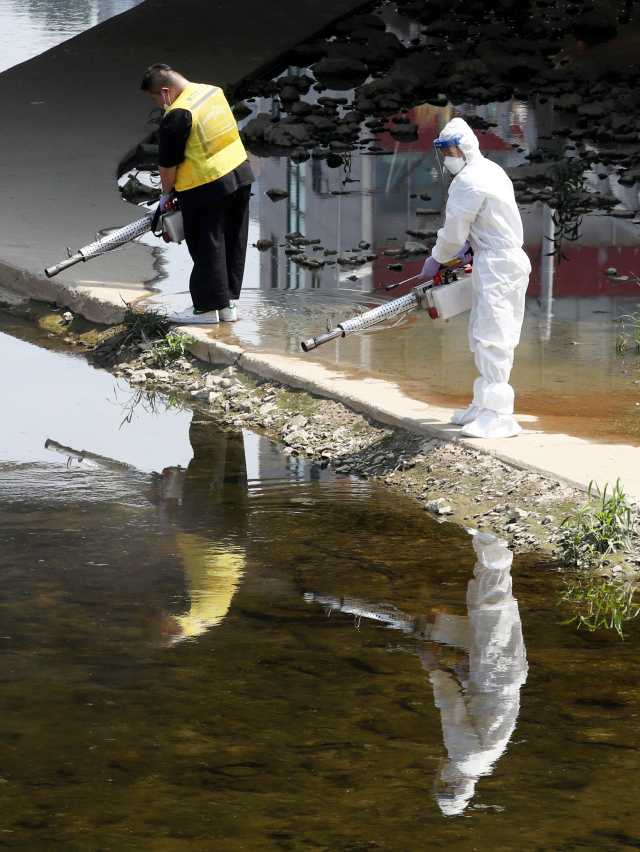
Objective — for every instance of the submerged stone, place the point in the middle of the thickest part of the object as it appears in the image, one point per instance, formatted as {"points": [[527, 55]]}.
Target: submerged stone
{"points": [[276, 194]]}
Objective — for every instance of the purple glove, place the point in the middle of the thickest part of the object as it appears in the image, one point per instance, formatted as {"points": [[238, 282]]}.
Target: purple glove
{"points": [[165, 198], [466, 252], [430, 269]]}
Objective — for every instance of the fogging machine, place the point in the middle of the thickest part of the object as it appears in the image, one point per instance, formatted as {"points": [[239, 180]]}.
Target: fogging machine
{"points": [[168, 226], [447, 294]]}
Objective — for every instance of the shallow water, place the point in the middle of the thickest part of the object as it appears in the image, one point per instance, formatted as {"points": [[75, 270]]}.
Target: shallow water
{"points": [[207, 645], [29, 27]]}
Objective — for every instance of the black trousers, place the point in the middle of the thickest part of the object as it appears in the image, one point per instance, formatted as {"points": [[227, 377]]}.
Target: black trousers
{"points": [[216, 236]]}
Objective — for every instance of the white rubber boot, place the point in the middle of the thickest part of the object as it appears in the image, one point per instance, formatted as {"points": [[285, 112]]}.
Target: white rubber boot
{"points": [[490, 424], [465, 415]]}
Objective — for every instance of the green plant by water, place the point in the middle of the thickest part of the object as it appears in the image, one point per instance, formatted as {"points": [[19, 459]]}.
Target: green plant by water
{"points": [[601, 605], [605, 525], [629, 339], [567, 181], [171, 346], [149, 322]]}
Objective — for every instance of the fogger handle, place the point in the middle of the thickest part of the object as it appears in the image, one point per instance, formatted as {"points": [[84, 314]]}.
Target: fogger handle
{"points": [[50, 271]]}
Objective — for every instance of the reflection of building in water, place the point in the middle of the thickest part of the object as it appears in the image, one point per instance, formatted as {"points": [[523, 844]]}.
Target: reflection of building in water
{"points": [[479, 706], [376, 205], [379, 209]]}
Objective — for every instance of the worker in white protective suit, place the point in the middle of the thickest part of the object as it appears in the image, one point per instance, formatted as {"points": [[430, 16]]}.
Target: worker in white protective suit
{"points": [[482, 214], [480, 712]]}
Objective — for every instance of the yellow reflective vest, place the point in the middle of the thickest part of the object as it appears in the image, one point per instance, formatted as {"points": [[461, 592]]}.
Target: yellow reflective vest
{"points": [[214, 147]]}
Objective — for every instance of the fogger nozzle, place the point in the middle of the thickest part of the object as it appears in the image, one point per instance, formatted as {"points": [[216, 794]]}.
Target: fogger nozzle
{"points": [[314, 342], [112, 240], [50, 271]]}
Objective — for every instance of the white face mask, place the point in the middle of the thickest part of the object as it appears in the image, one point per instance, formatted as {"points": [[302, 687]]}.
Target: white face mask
{"points": [[453, 164], [166, 105]]}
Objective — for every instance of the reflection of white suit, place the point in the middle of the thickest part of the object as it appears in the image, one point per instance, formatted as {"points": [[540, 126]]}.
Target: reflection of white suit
{"points": [[477, 723]]}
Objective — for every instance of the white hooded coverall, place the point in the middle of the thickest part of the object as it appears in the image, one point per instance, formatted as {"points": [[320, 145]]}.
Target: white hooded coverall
{"points": [[477, 723], [482, 209]]}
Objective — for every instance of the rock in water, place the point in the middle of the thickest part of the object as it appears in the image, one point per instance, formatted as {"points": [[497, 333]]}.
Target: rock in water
{"points": [[341, 72], [277, 194], [263, 245], [289, 93], [241, 110], [415, 248], [421, 233], [300, 155], [405, 133]]}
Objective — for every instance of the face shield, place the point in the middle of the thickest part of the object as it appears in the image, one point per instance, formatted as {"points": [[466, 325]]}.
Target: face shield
{"points": [[450, 157]]}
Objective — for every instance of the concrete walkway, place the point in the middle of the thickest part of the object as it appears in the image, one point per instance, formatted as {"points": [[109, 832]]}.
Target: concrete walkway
{"points": [[569, 459], [72, 114]]}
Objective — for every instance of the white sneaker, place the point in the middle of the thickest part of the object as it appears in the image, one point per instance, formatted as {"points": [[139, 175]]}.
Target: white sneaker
{"points": [[192, 317], [229, 314]]}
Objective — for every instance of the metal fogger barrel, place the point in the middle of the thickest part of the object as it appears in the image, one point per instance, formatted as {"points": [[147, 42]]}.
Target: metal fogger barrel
{"points": [[365, 320], [441, 300], [111, 241]]}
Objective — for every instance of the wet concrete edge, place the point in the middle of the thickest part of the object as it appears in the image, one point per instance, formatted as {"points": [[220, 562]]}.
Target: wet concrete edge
{"points": [[318, 380]]}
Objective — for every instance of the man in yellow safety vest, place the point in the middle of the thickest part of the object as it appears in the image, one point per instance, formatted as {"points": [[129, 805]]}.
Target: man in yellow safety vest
{"points": [[203, 161]]}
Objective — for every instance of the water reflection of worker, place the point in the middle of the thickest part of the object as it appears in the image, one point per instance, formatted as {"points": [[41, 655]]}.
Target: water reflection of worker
{"points": [[207, 502], [478, 711]]}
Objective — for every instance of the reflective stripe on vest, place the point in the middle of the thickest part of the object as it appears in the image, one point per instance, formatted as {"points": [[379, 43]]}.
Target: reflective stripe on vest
{"points": [[214, 147]]}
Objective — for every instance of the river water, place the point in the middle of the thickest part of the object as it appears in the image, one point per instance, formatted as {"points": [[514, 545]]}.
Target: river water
{"points": [[29, 27], [574, 314], [207, 645]]}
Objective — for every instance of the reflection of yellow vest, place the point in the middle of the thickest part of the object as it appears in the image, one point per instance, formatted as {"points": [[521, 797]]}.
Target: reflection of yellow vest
{"points": [[213, 574], [214, 148]]}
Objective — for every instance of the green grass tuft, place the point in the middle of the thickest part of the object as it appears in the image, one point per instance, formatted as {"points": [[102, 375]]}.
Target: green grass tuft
{"points": [[599, 605], [605, 525]]}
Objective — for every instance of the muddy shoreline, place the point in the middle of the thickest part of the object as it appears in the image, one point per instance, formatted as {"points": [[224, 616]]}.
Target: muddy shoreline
{"points": [[451, 480]]}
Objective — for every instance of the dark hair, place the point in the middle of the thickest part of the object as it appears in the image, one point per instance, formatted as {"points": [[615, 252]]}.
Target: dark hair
{"points": [[157, 77]]}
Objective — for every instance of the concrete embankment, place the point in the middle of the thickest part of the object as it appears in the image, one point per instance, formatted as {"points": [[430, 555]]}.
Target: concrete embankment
{"points": [[73, 113], [572, 460]]}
